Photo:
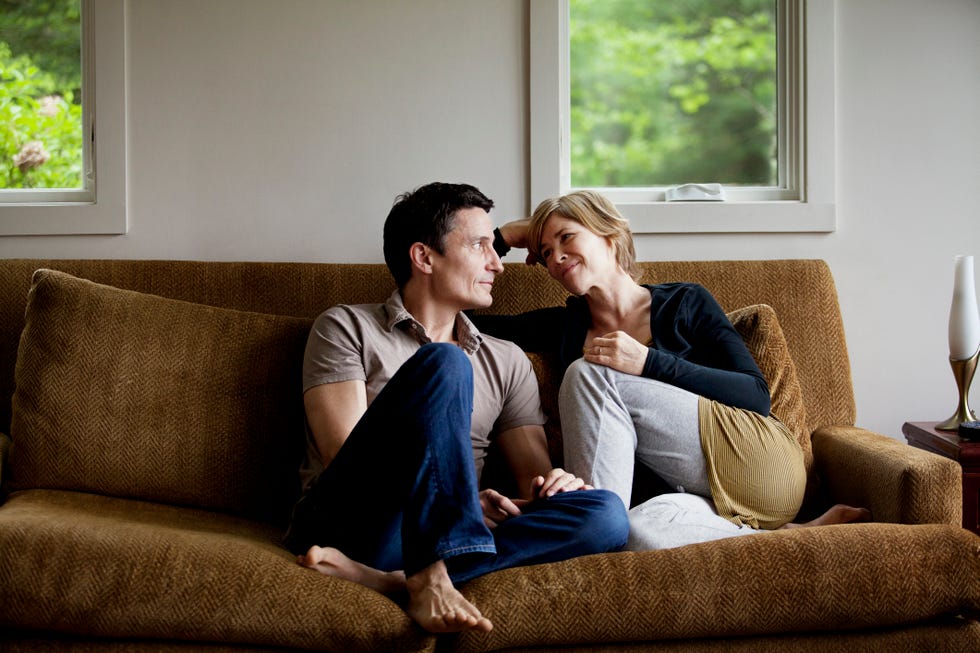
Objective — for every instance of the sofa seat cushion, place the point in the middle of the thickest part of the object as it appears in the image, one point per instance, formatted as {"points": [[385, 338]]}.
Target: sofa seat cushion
{"points": [[832, 578], [98, 566], [138, 396]]}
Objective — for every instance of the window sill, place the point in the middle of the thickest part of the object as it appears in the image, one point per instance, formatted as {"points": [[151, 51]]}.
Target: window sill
{"points": [[729, 217], [65, 214], [64, 218]]}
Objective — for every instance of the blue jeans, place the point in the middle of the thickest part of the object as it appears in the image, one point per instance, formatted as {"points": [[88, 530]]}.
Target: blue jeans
{"points": [[402, 491]]}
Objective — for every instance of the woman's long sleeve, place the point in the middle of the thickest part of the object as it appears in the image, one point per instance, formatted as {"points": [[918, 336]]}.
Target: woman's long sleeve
{"points": [[696, 348]]}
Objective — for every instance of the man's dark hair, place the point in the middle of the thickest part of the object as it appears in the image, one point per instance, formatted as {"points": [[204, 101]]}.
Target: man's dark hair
{"points": [[425, 215]]}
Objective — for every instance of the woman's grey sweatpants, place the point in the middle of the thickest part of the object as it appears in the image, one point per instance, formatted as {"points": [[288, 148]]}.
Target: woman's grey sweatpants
{"points": [[609, 420]]}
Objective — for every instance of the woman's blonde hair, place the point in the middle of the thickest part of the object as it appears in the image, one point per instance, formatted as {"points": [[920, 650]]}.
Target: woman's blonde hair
{"points": [[594, 212]]}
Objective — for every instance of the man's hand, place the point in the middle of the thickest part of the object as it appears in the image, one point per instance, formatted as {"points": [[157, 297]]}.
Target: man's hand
{"points": [[496, 507], [557, 480]]}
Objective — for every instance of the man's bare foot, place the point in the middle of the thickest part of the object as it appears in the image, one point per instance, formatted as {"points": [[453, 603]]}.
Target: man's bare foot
{"points": [[839, 514], [332, 562], [437, 606]]}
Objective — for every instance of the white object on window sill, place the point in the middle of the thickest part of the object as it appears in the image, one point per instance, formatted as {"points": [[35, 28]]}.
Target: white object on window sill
{"points": [[696, 193]]}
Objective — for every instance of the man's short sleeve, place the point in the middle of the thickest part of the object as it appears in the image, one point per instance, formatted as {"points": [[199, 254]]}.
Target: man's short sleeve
{"points": [[334, 349], [522, 402]]}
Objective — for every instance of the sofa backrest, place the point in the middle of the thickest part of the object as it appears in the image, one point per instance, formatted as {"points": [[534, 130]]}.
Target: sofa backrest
{"points": [[802, 292], [804, 296], [292, 289], [133, 395]]}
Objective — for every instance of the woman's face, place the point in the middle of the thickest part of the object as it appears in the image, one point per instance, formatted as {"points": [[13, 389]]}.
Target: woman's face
{"points": [[575, 256]]}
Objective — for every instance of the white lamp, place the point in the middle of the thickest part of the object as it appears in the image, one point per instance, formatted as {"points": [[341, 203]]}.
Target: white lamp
{"points": [[964, 339]]}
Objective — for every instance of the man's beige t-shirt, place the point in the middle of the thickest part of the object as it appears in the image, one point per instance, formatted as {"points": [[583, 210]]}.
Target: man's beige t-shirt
{"points": [[370, 342]]}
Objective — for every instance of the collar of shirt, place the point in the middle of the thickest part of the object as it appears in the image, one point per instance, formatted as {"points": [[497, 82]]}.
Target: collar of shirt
{"points": [[466, 332]]}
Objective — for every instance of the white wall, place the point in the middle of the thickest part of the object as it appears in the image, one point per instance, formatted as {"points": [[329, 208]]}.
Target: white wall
{"points": [[263, 130]]}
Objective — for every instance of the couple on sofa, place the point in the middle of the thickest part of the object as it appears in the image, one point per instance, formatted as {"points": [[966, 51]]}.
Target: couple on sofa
{"points": [[403, 397]]}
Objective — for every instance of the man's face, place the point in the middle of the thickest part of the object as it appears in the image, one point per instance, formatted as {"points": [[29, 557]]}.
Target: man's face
{"points": [[463, 275]]}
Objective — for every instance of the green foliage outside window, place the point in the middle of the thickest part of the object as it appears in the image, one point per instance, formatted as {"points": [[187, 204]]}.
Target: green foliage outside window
{"points": [[40, 94], [670, 92]]}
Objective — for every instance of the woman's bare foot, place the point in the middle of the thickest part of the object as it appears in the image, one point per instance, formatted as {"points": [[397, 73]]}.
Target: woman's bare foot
{"points": [[437, 606], [839, 514], [332, 562]]}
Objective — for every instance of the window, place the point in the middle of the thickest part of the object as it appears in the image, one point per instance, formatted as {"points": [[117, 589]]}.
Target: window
{"points": [[68, 176], [40, 98], [782, 181]]}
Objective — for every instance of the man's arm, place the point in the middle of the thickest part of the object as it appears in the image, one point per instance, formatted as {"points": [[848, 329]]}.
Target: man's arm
{"points": [[332, 410], [525, 449]]}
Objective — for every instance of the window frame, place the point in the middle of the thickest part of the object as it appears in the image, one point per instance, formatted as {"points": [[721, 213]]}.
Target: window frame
{"points": [[805, 200], [99, 207]]}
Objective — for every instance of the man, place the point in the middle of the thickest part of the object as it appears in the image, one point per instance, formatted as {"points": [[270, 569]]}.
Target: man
{"points": [[402, 401]]}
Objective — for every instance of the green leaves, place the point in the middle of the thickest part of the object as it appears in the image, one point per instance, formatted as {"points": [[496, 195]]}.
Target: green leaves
{"points": [[669, 92], [40, 126]]}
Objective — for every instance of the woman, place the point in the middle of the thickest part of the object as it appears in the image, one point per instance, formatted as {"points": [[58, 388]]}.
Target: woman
{"points": [[656, 374]]}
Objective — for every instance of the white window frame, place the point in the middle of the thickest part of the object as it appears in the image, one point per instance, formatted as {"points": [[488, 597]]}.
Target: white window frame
{"points": [[100, 206], [805, 201]]}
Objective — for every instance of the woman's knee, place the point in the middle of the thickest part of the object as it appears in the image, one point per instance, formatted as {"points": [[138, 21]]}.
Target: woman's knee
{"points": [[582, 380], [580, 372]]}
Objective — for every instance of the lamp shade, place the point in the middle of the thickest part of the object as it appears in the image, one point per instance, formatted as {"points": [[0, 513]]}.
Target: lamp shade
{"points": [[964, 318]]}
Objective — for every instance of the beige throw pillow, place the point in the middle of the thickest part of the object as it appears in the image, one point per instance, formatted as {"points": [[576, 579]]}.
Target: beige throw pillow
{"points": [[759, 327]]}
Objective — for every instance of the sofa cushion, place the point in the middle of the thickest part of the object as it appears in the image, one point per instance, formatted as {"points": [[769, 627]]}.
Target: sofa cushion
{"points": [[133, 395], [829, 579], [96, 566], [759, 327]]}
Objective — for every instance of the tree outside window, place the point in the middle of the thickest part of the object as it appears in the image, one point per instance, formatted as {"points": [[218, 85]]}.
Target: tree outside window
{"points": [[40, 95], [670, 92]]}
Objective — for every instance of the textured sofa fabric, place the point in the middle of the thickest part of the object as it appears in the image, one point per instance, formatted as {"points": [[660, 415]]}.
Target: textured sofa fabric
{"points": [[841, 579], [155, 422], [175, 402], [103, 567]]}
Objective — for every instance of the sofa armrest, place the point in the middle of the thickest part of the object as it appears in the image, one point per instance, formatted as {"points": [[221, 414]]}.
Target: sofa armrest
{"points": [[897, 482]]}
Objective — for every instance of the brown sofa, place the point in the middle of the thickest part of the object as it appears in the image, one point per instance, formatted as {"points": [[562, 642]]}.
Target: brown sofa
{"points": [[152, 454]]}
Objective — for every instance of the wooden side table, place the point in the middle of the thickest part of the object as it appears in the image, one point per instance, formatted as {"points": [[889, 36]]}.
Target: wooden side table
{"points": [[923, 435]]}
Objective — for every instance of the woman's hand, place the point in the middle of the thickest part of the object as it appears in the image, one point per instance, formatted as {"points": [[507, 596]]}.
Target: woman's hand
{"points": [[617, 350], [514, 234], [557, 480]]}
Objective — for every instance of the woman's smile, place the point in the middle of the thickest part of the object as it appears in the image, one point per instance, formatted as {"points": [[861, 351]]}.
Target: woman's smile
{"points": [[565, 269]]}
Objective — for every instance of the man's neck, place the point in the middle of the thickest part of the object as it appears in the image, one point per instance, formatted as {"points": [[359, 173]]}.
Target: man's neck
{"points": [[438, 320]]}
